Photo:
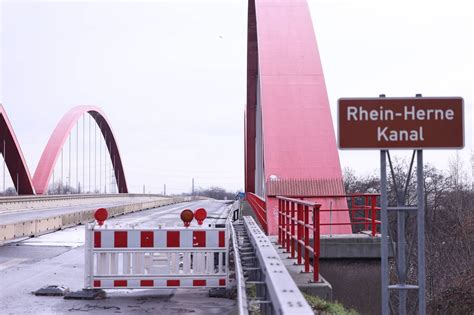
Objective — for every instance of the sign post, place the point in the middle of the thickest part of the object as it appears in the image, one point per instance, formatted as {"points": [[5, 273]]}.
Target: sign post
{"points": [[401, 123]]}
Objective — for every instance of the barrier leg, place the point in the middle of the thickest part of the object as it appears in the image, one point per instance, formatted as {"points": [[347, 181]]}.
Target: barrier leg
{"points": [[88, 258]]}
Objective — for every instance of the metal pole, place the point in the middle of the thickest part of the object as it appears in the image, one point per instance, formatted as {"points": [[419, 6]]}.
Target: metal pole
{"points": [[90, 142], [401, 258], [77, 156], [100, 162], [62, 170], [105, 165], [4, 162], [17, 184], [114, 182], [384, 232], [83, 151], [95, 157], [421, 233], [69, 170]]}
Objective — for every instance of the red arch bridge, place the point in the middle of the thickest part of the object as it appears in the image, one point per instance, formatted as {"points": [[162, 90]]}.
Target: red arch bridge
{"points": [[293, 182]]}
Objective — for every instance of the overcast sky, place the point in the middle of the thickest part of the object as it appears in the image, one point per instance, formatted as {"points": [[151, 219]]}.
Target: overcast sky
{"points": [[171, 75]]}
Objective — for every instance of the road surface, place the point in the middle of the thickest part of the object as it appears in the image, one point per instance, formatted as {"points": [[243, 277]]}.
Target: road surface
{"points": [[58, 259]]}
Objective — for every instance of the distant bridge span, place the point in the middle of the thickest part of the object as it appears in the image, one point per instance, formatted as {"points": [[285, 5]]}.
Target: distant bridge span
{"points": [[17, 166], [14, 160], [59, 136]]}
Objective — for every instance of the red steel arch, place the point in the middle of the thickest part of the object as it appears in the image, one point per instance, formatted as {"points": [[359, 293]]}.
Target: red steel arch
{"points": [[13, 156], [59, 136], [289, 134]]}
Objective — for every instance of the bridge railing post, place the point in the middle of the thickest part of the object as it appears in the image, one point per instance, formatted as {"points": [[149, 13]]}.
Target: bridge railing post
{"points": [[366, 213], [299, 233], [306, 239], [316, 241], [288, 226], [280, 227], [293, 235], [374, 215]]}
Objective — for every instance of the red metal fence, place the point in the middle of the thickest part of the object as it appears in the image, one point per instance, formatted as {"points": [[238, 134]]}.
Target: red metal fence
{"points": [[299, 225], [259, 207], [366, 203], [294, 229]]}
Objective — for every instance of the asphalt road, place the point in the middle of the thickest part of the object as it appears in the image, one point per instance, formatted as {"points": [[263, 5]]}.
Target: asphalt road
{"points": [[58, 259]]}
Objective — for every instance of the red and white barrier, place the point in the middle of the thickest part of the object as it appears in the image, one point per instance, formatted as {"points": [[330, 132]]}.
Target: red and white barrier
{"points": [[156, 258]]}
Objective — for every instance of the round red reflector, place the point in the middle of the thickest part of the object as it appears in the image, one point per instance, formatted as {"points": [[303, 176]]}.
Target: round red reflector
{"points": [[200, 215], [101, 215], [187, 216]]}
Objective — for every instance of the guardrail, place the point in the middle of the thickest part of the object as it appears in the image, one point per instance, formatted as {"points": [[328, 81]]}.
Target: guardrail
{"points": [[281, 295], [33, 198], [44, 225], [242, 301]]}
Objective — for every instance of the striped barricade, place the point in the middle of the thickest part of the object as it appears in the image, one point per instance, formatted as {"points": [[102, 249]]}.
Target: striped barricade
{"points": [[156, 258]]}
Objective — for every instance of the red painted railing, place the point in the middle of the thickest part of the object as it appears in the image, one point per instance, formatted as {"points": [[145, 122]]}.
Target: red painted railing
{"points": [[294, 225], [368, 204], [299, 222], [365, 203], [259, 208]]}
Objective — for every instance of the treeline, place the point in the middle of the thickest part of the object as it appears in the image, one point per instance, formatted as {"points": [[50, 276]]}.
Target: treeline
{"points": [[449, 230], [216, 193]]}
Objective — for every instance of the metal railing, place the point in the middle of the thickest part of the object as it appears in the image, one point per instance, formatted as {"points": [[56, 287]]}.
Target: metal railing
{"points": [[276, 290], [299, 225], [294, 231], [242, 301], [369, 208], [51, 223], [259, 208], [69, 196]]}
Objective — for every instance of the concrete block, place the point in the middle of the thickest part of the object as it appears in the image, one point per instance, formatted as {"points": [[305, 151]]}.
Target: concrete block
{"points": [[7, 232], [25, 228]]}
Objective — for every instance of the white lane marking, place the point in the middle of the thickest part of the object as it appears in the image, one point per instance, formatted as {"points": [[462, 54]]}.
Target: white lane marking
{"points": [[52, 244], [11, 263]]}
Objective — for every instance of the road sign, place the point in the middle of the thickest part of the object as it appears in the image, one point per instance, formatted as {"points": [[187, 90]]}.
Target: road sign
{"points": [[401, 123]]}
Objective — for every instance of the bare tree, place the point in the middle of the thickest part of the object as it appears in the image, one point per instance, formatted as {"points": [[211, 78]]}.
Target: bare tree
{"points": [[449, 215]]}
